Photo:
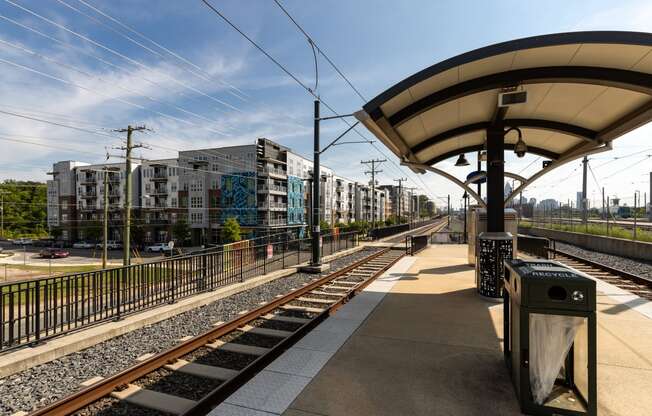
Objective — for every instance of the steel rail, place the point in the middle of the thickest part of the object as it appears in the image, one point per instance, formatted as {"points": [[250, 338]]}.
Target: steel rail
{"points": [[82, 398], [642, 280]]}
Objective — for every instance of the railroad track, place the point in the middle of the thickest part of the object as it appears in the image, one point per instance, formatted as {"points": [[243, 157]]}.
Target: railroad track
{"points": [[196, 375], [638, 285]]}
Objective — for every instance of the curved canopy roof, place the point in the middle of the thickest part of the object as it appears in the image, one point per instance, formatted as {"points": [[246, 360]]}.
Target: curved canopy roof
{"points": [[584, 89]]}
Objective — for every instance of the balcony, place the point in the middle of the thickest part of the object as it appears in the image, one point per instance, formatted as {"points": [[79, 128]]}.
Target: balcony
{"points": [[272, 222], [272, 206], [89, 207], [160, 176], [273, 188], [273, 172], [88, 194], [159, 191], [88, 179]]}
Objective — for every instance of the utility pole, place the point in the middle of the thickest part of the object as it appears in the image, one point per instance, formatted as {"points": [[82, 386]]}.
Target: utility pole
{"points": [[604, 213], [2, 214], [127, 214], [399, 197], [105, 252], [585, 212], [411, 204], [650, 213], [449, 209], [373, 173]]}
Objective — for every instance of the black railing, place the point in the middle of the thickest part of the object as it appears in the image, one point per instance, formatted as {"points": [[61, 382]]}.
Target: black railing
{"points": [[536, 246], [34, 310], [417, 243], [448, 237], [383, 232]]}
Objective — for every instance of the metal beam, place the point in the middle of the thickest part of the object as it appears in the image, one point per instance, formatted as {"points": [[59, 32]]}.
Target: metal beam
{"points": [[618, 78], [484, 174], [471, 192], [570, 129], [627, 123], [510, 146]]}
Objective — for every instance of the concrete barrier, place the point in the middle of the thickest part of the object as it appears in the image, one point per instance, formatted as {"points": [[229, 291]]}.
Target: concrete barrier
{"points": [[637, 250]]}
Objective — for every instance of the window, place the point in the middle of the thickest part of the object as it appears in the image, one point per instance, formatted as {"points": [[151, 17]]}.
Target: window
{"points": [[173, 187], [173, 203], [196, 217], [196, 185], [196, 202]]}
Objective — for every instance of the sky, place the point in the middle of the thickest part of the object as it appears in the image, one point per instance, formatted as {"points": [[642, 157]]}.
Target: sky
{"points": [[92, 66]]}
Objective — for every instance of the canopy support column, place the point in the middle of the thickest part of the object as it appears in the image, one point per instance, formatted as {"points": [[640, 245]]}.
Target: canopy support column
{"points": [[495, 178]]}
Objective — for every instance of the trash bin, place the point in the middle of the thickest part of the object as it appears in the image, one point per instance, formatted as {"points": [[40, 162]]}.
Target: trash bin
{"points": [[550, 337], [493, 249]]}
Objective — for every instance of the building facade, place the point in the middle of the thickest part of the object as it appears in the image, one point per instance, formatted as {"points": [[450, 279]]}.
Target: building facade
{"points": [[266, 187]]}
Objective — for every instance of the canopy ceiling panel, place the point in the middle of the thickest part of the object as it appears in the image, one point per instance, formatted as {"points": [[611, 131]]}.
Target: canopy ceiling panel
{"points": [[584, 89]]}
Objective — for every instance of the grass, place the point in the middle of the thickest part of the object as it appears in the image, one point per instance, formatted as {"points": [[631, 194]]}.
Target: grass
{"points": [[55, 269], [593, 229]]}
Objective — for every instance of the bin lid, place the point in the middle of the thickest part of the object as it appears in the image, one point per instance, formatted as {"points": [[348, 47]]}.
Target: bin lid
{"points": [[547, 284]]}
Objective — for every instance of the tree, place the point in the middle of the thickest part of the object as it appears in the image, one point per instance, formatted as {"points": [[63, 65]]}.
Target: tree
{"points": [[230, 231], [181, 231], [93, 231], [324, 227], [56, 233]]}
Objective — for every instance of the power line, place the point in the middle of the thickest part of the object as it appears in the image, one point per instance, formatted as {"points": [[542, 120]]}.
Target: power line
{"points": [[120, 55], [174, 54], [58, 124], [76, 85]]}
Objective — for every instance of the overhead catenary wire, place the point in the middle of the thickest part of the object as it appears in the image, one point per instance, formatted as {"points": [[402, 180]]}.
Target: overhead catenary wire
{"points": [[345, 78], [291, 75]]}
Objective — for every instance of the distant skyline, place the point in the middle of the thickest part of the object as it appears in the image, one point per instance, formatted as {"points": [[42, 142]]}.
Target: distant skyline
{"points": [[202, 85]]}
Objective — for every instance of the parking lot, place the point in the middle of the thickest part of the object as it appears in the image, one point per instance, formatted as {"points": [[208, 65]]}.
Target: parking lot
{"points": [[24, 262]]}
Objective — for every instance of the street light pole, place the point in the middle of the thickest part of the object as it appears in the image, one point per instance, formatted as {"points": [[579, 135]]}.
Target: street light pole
{"points": [[316, 231]]}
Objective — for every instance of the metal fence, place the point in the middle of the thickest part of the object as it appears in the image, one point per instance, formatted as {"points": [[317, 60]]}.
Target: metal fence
{"points": [[536, 246], [448, 237], [383, 232], [34, 310]]}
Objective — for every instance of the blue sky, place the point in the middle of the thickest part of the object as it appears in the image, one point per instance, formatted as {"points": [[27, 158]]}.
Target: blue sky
{"points": [[224, 92]]}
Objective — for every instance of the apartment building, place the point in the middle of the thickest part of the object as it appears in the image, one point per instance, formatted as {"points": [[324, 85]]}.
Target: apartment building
{"points": [[265, 186], [62, 198], [365, 202], [159, 205], [75, 197], [400, 201]]}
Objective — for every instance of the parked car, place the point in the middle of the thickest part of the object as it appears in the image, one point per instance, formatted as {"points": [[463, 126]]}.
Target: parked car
{"points": [[23, 242], [54, 253], [44, 242], [83, 244], [110, 245], [158, 248]]}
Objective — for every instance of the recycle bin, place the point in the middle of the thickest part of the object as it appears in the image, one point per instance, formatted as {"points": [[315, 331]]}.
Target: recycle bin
{"points": [[493, 249], [550, 337]]}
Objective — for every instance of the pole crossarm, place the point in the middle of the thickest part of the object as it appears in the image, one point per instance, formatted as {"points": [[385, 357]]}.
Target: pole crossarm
{"points": [[450, 178], [334, 142]]}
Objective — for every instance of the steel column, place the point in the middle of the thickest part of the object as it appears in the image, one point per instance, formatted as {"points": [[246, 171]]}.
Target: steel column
{"points": [[495, 179], [316, 180]]}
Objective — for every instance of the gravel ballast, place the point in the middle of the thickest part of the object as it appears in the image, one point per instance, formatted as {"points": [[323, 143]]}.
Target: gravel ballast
{"points": [[43, 384], [617, 262]]}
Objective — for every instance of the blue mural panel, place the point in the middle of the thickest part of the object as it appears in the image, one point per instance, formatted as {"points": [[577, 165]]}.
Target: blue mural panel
{"points": [[296, 209], [238, 198]]}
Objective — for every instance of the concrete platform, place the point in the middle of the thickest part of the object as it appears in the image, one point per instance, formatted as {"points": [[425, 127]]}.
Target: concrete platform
{"points": [[421, 342]]}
